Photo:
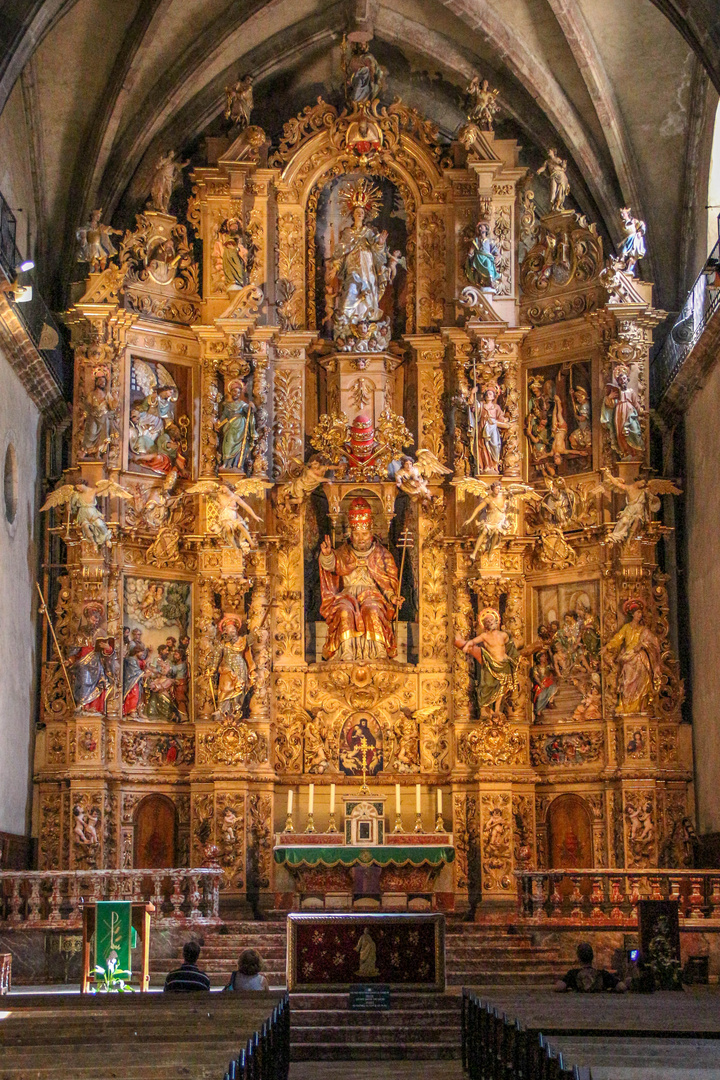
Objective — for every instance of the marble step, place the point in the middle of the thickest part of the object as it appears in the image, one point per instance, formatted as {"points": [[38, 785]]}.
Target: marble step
{"points": [[381, 1036], [339, 1020], [401, 1051], [401, 1001]]}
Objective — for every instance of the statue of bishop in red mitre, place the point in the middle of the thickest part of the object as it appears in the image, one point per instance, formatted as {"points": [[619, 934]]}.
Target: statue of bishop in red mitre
{"points": [[360, 588]]}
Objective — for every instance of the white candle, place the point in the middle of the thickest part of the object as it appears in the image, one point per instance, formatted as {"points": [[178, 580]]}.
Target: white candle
{"points": [[311, 798], [417, 798], [290, 800], [332, 798], [397, 799], [439, 800]]}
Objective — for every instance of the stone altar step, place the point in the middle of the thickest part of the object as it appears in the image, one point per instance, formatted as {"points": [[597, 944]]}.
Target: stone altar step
{"points": [[422, 1027]]}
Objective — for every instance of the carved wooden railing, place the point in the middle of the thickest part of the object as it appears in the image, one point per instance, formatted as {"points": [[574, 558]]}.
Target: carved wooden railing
{"points": [[611, 896], [53, 898]]}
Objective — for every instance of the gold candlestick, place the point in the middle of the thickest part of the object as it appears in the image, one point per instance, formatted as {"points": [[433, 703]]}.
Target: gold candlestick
{"points": [[398, 824], [332, 827], [289, 827], [418, 823], [310, 827], [439, 824]]}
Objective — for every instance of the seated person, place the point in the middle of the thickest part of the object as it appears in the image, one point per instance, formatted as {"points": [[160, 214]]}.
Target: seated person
{"points": [[248, 975], [588, 979], [188, 976]]}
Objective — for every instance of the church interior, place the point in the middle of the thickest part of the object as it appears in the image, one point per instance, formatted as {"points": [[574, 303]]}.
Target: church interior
{"points": [[358, 537]]}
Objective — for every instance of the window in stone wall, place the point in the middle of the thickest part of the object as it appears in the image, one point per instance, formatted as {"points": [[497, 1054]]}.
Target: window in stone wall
{"points": [[10, 483]]}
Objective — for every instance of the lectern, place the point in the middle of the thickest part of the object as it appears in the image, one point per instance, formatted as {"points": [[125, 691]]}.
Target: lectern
{"points": [[118, 939]]}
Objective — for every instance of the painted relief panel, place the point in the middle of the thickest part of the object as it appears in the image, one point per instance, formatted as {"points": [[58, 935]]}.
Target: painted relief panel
{"points": [[565, 670], [360, 266], [569, 833], [361, 738], [159, 431], [558, 421], [156, 644]]}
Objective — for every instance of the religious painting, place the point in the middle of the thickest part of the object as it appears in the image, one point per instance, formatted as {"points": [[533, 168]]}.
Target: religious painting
{"points": [[159, 432], [361, 741], [155, 833], [569, 833], [565, 667], [558, 420], [156, 646], [566, 748], [360, 265]]}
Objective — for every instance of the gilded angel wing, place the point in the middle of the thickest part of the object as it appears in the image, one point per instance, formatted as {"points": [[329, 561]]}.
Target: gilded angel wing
{"points": [[469, 483], [59, 497], [144, 375], [429, 465], [109, 487], [164, 378], [663, 487], [203, 487], [251, 485], [522, 491]]}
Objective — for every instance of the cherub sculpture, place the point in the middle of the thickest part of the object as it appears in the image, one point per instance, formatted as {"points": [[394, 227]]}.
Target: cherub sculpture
{"points": [[497, 510], [483, 103], [633, 246], [81, 500], [239, 102], [641, 502], [305, 481], [229, 524], [152, 504], [556, 168], [96, 247], [413, 476], [165, 179]]}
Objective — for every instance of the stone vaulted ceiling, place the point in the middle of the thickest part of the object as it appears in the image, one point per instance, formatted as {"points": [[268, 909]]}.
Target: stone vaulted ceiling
{"points": [[627, 88]]}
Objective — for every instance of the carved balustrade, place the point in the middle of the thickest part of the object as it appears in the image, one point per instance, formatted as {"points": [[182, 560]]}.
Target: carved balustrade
{"points": [[610, 897], [54, 898]]}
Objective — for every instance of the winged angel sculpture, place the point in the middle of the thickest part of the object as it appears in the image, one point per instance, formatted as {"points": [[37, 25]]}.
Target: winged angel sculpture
{"points": [[497, 510], [414, 477], [81, 501], [641, 502], [228, 523]]}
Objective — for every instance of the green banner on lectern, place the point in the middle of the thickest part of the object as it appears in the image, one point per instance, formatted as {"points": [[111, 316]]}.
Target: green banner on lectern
{"points": [[113, 934]]}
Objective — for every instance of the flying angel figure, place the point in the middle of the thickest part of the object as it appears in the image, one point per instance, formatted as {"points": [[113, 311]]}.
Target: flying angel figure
{"points": [[229, 524], [81, 501], [413, 476], [497, 510], [641, 502]]}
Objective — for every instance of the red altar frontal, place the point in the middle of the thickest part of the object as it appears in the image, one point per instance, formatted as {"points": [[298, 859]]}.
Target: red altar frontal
{"points": [[337, 952]]}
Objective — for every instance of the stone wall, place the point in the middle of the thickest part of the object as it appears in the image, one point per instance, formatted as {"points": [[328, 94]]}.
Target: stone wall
{"points": [[19, 429], [703, 586]]}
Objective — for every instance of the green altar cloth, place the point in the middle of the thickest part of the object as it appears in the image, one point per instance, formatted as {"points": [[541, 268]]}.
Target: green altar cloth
{"points": [[423, 855]]}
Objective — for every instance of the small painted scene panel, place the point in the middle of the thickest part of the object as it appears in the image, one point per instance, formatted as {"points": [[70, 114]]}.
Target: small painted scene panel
{"points": [[160, 429], [156, 645], [558, 421]]}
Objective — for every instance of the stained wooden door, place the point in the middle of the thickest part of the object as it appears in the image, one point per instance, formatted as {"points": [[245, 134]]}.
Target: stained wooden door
{"points": [[155, 833]]}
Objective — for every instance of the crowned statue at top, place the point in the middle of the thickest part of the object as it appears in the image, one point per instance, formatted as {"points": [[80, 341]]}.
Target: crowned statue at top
{"points": [[360, 592], [360, 269]]}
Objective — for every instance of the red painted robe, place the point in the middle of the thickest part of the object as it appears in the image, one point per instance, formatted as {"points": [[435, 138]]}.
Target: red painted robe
{"points": [[358, 598]]}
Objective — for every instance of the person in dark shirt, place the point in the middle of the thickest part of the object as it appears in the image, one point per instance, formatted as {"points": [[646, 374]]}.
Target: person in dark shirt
{"points": [[188, 977], [588, 979]]}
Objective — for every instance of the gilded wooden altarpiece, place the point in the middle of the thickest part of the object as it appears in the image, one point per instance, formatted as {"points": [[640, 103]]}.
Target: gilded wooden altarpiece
{"points": [[247, 415]]}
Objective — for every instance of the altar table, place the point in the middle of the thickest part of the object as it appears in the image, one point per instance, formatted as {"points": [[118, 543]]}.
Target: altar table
{"points": [[338, 877]]}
